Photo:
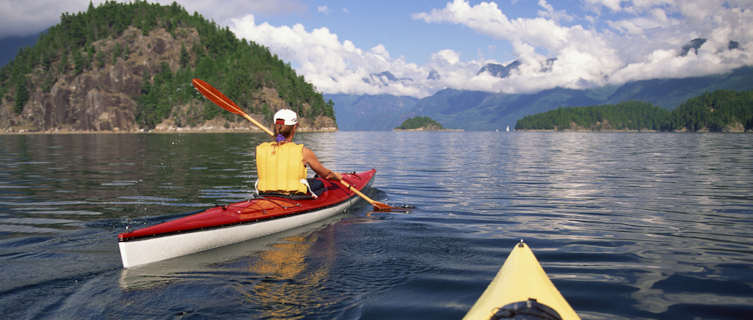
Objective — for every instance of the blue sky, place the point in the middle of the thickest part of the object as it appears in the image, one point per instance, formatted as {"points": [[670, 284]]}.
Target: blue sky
{"points": [[344, 46], [390, 24]]}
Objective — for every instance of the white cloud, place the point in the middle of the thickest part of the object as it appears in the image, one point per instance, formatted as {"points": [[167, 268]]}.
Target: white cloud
{"points": [[657, 18], [643, 44], [651, 48], [612, 42], [582, 55], [613, 5], [556, 15], [332, 65], [446, 56]]}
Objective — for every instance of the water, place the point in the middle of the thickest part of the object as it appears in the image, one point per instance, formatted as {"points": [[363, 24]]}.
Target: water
{"points": [[628, 226]]}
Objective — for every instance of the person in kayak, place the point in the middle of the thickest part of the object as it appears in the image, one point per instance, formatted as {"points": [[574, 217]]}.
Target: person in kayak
{"points": [[281, 164]]}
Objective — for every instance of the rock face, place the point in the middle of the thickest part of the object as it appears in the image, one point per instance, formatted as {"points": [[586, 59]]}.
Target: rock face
{"points": [[104, 96]]}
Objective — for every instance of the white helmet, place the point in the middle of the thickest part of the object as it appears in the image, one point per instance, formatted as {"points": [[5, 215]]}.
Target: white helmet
{"points": [[288, 117]]}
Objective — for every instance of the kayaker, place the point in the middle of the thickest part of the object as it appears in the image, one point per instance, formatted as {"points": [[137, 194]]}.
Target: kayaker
{"points": [[281, 164]]}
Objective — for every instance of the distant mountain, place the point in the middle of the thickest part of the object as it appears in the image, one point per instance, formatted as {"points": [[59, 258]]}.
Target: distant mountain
{"points": [[697, 43], [371, 112], [669, 93], [503, 71], [384, 79], [477, 110], [498, 70], [451, 101], [10, 46], [694, 45], [547, 67], [433, 75]]}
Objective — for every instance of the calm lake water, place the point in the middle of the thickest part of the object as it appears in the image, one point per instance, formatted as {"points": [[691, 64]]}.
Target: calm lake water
{"points": [[628, 225]]}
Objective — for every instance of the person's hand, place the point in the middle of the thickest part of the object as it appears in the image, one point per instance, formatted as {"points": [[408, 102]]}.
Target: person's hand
{"points": [[334, 176]]}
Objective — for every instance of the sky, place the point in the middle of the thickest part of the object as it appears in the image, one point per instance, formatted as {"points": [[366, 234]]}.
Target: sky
{"points": [[346, 46]]}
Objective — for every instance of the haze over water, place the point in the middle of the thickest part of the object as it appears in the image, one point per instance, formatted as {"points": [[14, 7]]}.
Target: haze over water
{"points": [[627, 225]]}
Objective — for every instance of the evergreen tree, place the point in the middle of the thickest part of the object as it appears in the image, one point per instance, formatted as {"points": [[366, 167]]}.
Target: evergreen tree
{"points": [[22, 95], [185, 57]]}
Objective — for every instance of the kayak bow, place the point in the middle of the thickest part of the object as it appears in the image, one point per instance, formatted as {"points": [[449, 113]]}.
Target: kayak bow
{"points": [[224, 225], [521, 290]]}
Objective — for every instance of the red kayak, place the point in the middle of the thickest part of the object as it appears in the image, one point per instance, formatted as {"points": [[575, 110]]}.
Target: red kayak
{"points": [[233, 223]]}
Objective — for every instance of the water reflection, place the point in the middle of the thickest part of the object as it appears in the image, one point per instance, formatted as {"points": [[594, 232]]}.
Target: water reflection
{"points": [[291, 284], [117, 174], [280, 256]]}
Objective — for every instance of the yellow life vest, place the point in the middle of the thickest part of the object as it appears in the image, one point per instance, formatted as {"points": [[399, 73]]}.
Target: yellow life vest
{"points": [[280, 167]]}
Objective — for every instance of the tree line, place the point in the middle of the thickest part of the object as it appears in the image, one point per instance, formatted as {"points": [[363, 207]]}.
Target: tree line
{"points": [[713, 111], [241, 68]]}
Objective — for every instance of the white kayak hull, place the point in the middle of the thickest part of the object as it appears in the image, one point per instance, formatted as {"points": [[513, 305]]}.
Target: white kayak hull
{"points": [[149, 250]]}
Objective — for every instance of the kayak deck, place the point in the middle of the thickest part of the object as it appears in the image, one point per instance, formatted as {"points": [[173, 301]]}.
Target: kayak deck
{"points": [[521, 279], [228, 224]]}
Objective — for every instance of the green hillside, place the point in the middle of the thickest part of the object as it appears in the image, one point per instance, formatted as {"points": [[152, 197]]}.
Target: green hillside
{"points": [[721, 110], [93, 41]]}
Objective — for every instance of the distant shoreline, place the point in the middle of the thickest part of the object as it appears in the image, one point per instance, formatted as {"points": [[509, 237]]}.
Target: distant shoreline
{"points": [[197, 131], [66, 132], [625, 131], [430, 130]]}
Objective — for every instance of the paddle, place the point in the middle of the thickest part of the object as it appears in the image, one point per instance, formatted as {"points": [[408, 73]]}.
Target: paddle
{"points": [[224, 102], [378, 206]]}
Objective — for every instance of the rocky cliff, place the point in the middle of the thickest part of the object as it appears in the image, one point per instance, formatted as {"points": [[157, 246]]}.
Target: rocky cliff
{"points": [[104, 94]]}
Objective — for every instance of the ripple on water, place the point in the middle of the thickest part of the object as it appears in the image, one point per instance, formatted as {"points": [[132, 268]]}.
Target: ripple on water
{"points": [[120, 183]]}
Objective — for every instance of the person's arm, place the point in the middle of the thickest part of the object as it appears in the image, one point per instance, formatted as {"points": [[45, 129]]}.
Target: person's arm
{"points": [[309, 158]]}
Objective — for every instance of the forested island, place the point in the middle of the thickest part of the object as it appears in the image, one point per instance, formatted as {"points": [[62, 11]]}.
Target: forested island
{"points": [[718, 111], [128, 67], [420, 123]]}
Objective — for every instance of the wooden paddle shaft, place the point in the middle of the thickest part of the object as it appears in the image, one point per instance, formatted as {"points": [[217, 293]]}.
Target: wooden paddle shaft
{"points": [[257, 124], [224, 102]]}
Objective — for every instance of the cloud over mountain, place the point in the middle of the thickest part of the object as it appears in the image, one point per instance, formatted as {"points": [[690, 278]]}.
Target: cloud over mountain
{"points": [[639, 40], [595, 42]]}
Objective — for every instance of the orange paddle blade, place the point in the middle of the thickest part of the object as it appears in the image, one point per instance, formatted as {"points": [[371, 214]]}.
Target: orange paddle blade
{"points": [[216, 96], [378, 206], [221, 100]]}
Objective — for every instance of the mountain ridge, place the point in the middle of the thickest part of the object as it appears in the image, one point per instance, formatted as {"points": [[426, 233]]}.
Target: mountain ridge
{"points": [[478, 110]]}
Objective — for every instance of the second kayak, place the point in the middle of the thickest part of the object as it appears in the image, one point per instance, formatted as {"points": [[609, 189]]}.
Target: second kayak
{"points": [[233, 223], [521, 290]]}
